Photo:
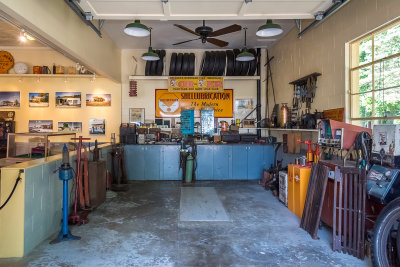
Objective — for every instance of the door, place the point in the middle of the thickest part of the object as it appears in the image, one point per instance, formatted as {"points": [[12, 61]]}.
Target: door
{"points": [[239, 162], [152, 156], [255, 161], [222, 158], [134, 162], [170, 163], [269, 156], [204, 161]]}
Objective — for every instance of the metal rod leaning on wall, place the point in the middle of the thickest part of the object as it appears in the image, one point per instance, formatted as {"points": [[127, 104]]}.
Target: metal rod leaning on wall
{"points": [[258, 111]]}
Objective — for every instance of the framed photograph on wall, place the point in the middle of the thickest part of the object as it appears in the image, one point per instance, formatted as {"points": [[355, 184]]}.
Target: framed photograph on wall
{"points": [[68, 99], [136, 115], [38, 100], [10, 99], [64, 126], [98, 100], [97, 126], [40, 126]]}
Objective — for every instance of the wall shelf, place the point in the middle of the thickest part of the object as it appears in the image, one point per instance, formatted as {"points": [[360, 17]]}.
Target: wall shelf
{"points": [[49, 75], [133, 77], [282, 129]]}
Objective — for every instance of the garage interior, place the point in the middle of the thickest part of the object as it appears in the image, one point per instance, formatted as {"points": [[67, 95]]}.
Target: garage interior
{"points": [[200, 133]]}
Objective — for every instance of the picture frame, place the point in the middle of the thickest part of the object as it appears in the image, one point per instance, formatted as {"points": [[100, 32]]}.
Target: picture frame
{"points": [[10, 99], [40, 100], [97, 126], [98, 100], [64, 126], [40, 126], [68, 99], [136, 115]]}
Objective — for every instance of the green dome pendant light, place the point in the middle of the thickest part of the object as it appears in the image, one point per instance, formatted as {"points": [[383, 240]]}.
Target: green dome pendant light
{"points": [[269, 29], [150, 55], [245, 55], [137, 29]]}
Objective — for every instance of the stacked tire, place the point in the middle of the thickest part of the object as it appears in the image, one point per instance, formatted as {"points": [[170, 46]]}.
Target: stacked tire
{"points": [[182, 64], [156, 67]]}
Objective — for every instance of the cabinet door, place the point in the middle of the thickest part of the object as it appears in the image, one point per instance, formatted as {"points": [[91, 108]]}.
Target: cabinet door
{"points": [[255, 161], [269, 156], [134, 160], [170, 163], [239, 162], [222, 158], [205, 164], [152, 162]]}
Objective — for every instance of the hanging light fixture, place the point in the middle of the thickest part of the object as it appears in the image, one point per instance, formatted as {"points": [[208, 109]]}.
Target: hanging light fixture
{"points": [[137, 29], [245, 55], [150, 55], [269, 29]]}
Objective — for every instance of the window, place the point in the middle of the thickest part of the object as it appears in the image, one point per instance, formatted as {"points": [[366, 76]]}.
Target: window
{"points": [[375, 78]]}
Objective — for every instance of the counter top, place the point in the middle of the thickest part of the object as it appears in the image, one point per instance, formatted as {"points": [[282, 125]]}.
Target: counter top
{"points": [[209, 144]]}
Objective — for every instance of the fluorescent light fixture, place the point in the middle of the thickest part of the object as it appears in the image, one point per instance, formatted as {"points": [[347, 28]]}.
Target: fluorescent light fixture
{"points": [[137, 29], [269, 29]]}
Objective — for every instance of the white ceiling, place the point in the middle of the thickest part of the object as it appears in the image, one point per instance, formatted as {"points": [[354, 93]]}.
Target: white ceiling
{"points": [[164, 34], [203, 9]]}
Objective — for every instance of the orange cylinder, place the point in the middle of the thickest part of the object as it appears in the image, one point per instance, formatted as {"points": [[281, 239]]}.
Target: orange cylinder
{"points": [[224, 126]]}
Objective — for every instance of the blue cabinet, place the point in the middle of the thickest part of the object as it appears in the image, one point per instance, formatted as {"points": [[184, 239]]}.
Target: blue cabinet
{"points": [[214, 162]]}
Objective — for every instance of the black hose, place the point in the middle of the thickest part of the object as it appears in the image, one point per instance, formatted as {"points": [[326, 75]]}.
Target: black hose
{"points": [[12, 192]]}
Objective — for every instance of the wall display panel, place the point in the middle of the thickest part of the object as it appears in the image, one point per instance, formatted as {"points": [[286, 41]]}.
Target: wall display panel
{"points": [[68, 99], [70, 126], [40, 126], [38, 100], [169, 104], [98, 100], [10, 99], [136, 115], [97, 126]]}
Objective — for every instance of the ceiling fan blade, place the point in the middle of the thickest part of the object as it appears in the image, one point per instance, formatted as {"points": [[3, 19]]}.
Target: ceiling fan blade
{"points": [[186, 41], [186, 29], [226, 30], [217, 42]]}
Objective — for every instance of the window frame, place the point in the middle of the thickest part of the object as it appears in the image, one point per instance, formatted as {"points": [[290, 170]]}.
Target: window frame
{"points": [[371, 64]]}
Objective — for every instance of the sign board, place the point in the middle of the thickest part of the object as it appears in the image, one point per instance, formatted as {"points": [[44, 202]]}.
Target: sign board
{"points": [[169, 104], [195, 84]]}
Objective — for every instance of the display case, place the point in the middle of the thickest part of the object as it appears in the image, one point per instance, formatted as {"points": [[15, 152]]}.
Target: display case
{"points": [[38, 145]]}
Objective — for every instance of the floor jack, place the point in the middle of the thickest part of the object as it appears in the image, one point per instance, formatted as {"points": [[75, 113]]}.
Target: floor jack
{"points": [[76, 217], [65, 174]]}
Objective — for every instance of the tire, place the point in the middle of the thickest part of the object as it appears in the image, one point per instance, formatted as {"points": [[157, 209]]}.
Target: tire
{"points": [[237, 64], [382, 228], [230, 63], [160, 64], [148, 68], [185, 64], [178, 64], [205, 66], [214, 63], [253, 63], [154, 64], [192, 59], [222, 63], [172, 64]]}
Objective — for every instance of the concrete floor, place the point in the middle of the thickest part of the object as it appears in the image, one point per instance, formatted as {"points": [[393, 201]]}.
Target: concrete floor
{"points": [[141, 227]]}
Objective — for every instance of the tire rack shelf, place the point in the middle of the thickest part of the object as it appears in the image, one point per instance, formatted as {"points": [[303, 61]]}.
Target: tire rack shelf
{"points": [[49, 75], [132, 77]]}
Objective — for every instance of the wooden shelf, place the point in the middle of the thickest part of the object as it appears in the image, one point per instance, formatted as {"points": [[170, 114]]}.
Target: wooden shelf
{"points": [[133, 77], [49, 75], [284, 130]]}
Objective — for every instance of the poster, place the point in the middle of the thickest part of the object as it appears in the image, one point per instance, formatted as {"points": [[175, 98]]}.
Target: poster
{"points": [[243, 107], [41, 126], [68, 99], [38, 99], [9, 99], [64, 126], [98, 100], [195, 84], [136, 115], [169, 104], [97, 126]]}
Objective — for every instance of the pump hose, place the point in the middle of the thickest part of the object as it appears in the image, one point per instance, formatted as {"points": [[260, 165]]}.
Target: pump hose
{"points": [[12, 192]]}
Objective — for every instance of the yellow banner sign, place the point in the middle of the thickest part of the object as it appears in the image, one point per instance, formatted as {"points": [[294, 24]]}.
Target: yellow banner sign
{"points": [[169, 104], [195, 84]]}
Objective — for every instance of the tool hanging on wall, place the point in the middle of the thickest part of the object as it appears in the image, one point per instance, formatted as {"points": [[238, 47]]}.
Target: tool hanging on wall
{"points": [[268, 80], [79, 217]]}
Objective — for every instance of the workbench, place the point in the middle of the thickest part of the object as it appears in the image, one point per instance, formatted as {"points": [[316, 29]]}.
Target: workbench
{"points": [[214, 162]]}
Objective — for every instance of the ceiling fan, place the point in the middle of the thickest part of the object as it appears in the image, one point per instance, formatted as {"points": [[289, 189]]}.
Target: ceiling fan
{"points": [[206, 33]]}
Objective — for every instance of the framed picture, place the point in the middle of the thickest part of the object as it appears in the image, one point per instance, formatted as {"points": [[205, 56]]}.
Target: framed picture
{"points": [[10, 99], [98, 100], [68, 99], [136, 115], [243, 107], [41, 126], [38, 99], [70, 126], [97, 126]]}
